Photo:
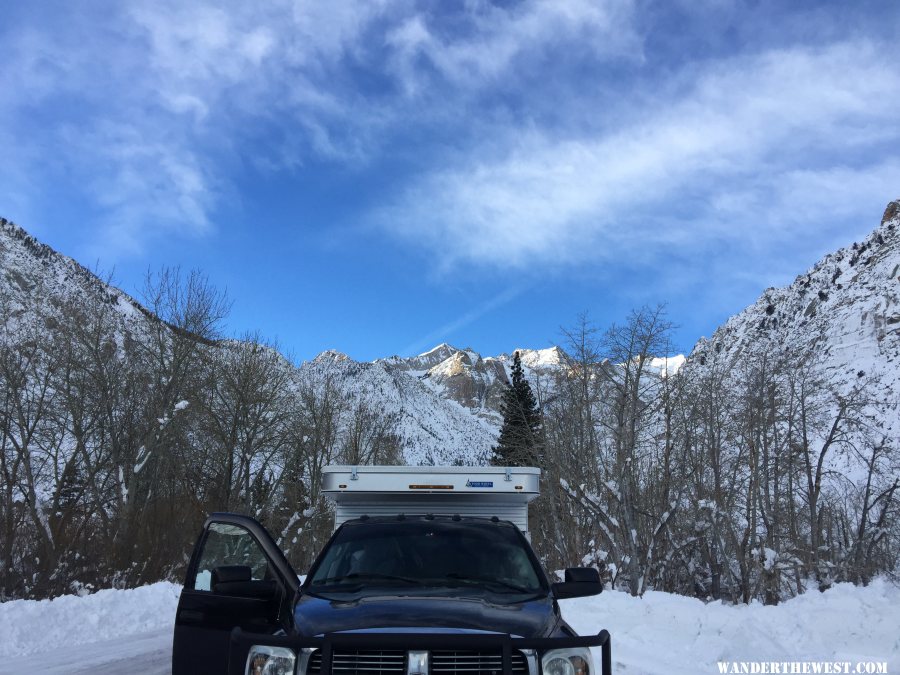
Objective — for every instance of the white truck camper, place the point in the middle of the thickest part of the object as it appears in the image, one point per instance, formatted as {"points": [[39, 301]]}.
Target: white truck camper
{"points": [[484, 491]]}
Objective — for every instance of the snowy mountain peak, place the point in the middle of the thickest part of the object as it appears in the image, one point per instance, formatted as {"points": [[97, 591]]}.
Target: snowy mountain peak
{"points": [[441, 350], [458, 363], [667, 366], [425, 361], [537, 359], [331, 356]]}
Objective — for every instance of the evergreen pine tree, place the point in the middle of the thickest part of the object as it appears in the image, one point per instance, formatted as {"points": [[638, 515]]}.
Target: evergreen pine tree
{"points": [[520, 436]]}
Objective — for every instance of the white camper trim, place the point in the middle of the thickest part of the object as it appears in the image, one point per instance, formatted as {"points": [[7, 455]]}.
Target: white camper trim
{"points": [[483, 491]]}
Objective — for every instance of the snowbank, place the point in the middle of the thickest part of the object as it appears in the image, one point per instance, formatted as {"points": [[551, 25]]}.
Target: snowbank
{"points": [[32, 626], [660, 633], [672, 634]]}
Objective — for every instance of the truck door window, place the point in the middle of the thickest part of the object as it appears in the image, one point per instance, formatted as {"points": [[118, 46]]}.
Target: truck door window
{"points": [[229, 545]]}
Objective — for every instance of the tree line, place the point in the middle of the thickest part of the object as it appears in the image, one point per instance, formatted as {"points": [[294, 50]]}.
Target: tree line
{"points": [[120, 433], [749, 480]]}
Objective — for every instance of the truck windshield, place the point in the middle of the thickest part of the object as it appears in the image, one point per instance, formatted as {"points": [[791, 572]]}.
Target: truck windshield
{"points": [[487, 556]]}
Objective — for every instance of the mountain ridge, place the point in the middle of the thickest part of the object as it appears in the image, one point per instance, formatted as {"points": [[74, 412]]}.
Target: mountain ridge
{"points": [[844, 312], [844, 309]]}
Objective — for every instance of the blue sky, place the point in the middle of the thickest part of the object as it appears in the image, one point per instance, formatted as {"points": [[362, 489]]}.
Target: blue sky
{"points": [[379, 177]]}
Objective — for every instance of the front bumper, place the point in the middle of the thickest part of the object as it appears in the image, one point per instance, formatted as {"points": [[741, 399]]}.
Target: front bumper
{"points": [[241, 642]]}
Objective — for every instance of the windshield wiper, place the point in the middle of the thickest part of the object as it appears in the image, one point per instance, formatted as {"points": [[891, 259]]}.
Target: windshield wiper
{"points": [[489, 581], [357, 578]]}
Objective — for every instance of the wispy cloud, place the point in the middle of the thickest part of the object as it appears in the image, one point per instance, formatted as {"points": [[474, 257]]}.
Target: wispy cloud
{"points": [[493, 39], [147, 107], [535, 134], [150, 104], [449, 329], [136, 178], [725, 142]]}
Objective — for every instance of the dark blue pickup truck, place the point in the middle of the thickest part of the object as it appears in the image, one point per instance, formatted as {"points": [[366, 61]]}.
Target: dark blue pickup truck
{"points": [[392, 595]]}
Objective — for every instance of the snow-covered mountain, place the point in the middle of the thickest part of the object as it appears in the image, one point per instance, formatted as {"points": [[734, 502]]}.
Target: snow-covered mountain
{"points": [[460, 375], [843, 314], [446, 401], [433, 427], [431, 398], [35, 279], [474, 381]]}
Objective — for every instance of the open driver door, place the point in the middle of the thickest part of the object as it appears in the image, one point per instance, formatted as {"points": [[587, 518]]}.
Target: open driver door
{"points": [[237, 576]]}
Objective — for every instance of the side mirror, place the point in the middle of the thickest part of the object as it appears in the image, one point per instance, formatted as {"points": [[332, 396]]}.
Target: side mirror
{"points": [[227, 574], [579, 582], [236, 580], [579, 574]]}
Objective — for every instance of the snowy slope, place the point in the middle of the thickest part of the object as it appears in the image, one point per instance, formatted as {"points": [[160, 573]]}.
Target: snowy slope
{"points": [[843, 314], [432, 429], [474, 381], [435, 421], [675, 635], [35, 281], [657, 634]]}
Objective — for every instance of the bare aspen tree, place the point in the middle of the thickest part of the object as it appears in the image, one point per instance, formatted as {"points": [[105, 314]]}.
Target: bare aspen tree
{"points": [[623, 447], [186, 313], [30, 444], [713, 472], [571, 450], [314, 425], [370, 435], [245, 412], [633, 397]]}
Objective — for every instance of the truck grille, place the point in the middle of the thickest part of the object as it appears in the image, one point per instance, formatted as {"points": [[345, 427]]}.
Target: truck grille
{"points": [[483, 663], [443, 662], [375, 662]]}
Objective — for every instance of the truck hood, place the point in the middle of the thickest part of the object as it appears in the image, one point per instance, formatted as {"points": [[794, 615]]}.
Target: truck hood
{"points": [[534, 618]]}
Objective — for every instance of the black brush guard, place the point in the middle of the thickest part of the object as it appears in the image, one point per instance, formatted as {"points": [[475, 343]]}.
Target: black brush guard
{"points": [[241, 642]]}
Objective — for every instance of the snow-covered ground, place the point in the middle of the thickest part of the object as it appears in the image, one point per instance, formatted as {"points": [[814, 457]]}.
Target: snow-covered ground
{"points": [[131, 631], [675, 635], [109, 631]]}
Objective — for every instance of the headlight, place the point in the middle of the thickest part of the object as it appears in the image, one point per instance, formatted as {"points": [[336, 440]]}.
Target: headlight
{"points": [[575, 661], [264, 660]]}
